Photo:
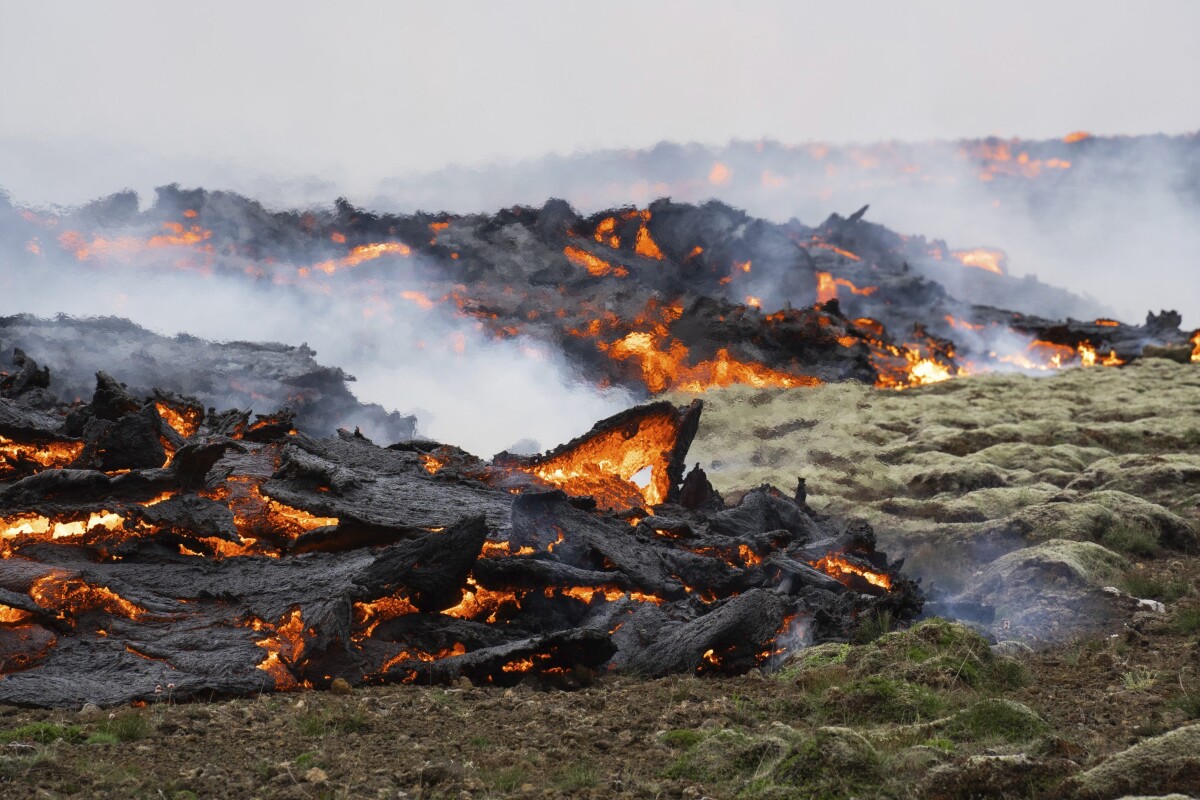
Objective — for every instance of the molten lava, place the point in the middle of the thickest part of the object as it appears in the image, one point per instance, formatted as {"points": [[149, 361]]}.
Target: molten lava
{"points": [[606, 464], [595, 265], [45, 455], [185, 420], [985, 258], [837, 566], [70, 598]]}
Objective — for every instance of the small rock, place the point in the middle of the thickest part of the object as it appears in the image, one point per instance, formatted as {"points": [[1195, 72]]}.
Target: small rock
{"points": [[89, 709], [340, 686], [316, 775], [464, 682]]}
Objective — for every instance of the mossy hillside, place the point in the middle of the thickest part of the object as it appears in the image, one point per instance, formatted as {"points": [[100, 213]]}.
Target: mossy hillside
{"points": [[903, 460]]}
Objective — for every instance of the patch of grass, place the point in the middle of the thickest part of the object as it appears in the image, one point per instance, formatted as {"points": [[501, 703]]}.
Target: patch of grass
{"points": [[577, 776], [324, 723], [42, 733], [682, 737], [880, 699], [995, 719], [480, 742], [1139, 584], [102, 737], [834, 763], [728, 755], [939, 743], [1139, 678], [127, 727], [306, 760], [1187, 621], [1077, 649], [1136, 541], [506, 781], [1189, 704], [873, 626]]}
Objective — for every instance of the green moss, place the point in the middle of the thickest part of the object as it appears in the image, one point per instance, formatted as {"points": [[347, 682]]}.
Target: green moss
{"points": [[577, 776], [833, 762], [995, 719], [42, 733], [682, 737], [506, 781], [1140, 584], [729, 756], [127, 727], [880, 699], [324, 723], [1186, 621], [1135, 541], [940, 654]]}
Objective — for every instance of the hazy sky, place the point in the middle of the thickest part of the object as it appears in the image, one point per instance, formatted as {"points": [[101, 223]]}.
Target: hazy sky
{"points": [[354, 91]]}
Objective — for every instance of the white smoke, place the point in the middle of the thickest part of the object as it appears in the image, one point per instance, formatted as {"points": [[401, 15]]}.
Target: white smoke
{"points": [[465, 387]]}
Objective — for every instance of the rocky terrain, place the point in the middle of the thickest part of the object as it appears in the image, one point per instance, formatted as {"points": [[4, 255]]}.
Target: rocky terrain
{"points": [[1057, 516]]}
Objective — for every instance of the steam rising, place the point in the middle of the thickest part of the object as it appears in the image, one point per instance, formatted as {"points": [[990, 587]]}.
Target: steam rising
{"points": [[464, 387]]}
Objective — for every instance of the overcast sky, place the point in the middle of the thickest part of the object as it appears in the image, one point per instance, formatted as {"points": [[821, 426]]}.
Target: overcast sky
{"points": [[354, 91]]}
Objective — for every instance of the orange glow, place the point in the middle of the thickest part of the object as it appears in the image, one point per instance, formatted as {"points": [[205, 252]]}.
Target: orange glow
{"points": [[12, 616], [983, 258], [827, 287], [184, 420], [337, 238], [719, 175], [174, 235], [593, 264], [697, 250], [743, 266], [1107, 323], [284, 646], [457, 649], [431, 464], [71, 597], [604, 232], [646, 245], [482, 605], [753, 301], [1076, 136], [358, 255], [666, 369], [604, 465], [838, 250], [749, 557], [49, 455], [836, 566], [587, 594], [418, 298], [368, 616], [438, 227], [37, 525], [961, 323], [1196, 347], [254, 512]]}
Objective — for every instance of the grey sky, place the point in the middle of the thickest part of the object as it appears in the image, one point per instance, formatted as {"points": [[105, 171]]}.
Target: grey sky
{"points": [[355, 91]]}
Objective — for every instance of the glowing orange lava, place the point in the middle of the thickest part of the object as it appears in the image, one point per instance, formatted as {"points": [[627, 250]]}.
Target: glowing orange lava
{"points": [[836, 565], [987, 259]]}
